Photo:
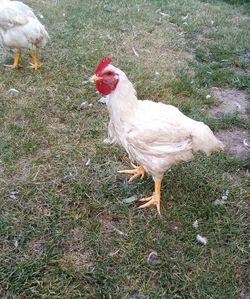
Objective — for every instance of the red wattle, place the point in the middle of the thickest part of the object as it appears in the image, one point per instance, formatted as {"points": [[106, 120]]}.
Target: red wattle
{"points": [[105, 88]]}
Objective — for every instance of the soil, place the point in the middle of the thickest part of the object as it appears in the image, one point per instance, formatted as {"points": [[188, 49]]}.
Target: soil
{"points": [[237, 142], [233, 100]]}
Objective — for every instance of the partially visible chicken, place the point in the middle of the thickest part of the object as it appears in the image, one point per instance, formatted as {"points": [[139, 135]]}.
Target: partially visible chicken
{"points": [[20, 29], [154, 135]]}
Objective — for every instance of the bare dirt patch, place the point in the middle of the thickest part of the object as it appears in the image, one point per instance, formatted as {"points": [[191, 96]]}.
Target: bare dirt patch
{"points": [[237, 142], [245, 293], [202, 35], [233, 100], [19, 172], [75, 258], [109, 225], [78, 232], [77, 261], [36, 248], [2, 293]]}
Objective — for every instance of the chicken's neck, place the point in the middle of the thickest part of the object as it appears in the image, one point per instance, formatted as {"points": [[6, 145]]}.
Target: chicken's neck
{"points": [[122, 101]]}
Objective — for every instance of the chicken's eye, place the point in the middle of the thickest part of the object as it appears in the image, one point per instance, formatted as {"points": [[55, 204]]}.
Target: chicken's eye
{"points": [[109, 73]]}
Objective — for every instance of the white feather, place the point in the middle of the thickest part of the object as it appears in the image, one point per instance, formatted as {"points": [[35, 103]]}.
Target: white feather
{"points": [[154, 135], [19, 27], [201, 240]]}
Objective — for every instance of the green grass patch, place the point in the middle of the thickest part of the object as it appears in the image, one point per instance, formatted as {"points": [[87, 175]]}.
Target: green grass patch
{"points": [[208, 75]]}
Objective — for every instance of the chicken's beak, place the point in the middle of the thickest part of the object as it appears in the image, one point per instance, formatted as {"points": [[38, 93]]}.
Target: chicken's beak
{"points": [[95, 78]]}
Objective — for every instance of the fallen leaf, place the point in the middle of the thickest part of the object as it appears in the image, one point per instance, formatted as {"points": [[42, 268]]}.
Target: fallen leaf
{"points": [[130, 199]]}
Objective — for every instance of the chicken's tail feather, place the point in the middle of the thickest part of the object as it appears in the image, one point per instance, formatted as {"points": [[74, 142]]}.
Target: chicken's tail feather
{"points": [[204, 140]]}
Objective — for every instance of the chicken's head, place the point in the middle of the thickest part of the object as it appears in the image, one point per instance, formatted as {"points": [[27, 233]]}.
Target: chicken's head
{"points": [[106, 77]]}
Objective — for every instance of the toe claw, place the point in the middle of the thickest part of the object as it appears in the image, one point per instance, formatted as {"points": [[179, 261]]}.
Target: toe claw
{"points": [[133, 177], [13, 66], [158, 208], [152, 200], [34, 66], [146, 198], [138, 171]]}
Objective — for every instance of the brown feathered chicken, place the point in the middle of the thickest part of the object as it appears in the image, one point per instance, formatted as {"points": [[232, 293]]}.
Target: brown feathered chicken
{"points": [[155, 135]]}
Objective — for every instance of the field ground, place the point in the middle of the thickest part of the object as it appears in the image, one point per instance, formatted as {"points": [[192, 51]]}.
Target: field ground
{"points": [[65, 230]]}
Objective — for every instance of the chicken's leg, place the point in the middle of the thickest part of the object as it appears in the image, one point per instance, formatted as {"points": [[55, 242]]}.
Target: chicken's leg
{"points": [[16, 64], [136, 172], [155, 198], [35, 65]]}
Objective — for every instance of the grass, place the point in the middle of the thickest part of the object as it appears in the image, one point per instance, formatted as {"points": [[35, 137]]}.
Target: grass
{"points": [[66, 232]]}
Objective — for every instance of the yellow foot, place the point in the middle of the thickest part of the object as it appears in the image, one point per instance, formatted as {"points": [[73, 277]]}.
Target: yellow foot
{"points": [[35, 66], [152, 200], [138, 171], [16, 64]]}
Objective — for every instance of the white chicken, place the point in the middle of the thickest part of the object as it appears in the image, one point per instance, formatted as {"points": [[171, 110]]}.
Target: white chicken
{"points": [[154, 135], [20, 29]]}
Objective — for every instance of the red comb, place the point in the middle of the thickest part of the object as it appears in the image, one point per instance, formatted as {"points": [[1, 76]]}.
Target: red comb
{"points": [[106, 61]]}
